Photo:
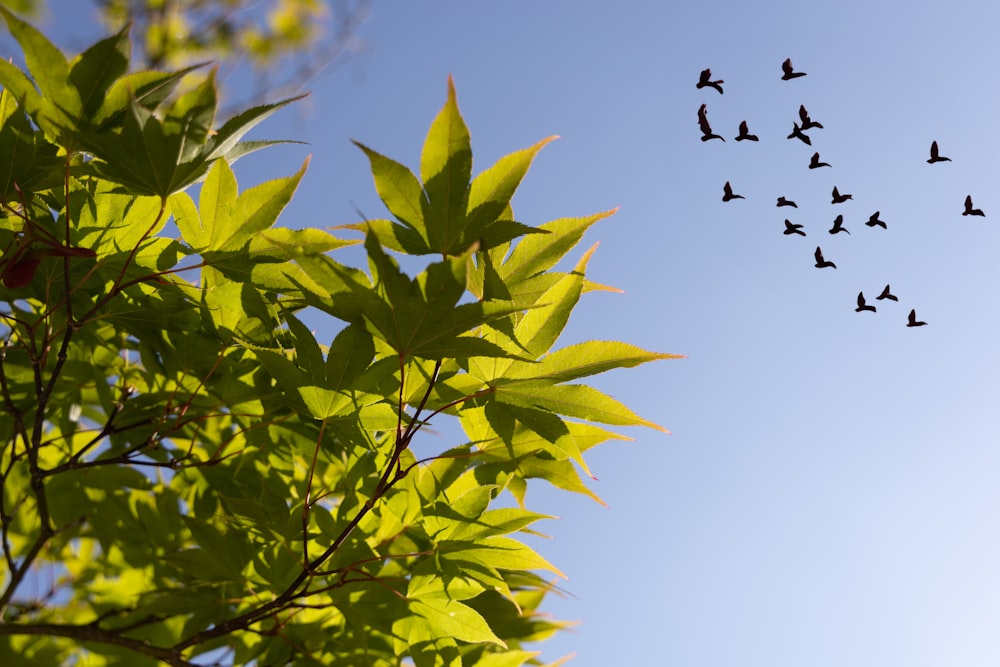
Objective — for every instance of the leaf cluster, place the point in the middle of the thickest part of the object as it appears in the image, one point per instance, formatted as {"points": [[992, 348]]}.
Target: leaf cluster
{"points": [[186, 469]]}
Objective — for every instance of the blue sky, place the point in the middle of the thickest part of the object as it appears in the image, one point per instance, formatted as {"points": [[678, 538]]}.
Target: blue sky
{"points": [[829, 493]]}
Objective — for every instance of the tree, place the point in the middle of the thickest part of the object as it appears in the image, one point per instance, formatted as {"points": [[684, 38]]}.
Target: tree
{"points": [[287, 42], [188, 475]]}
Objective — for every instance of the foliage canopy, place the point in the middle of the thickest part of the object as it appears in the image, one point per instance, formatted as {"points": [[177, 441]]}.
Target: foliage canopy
{"points": [[187, 472]]}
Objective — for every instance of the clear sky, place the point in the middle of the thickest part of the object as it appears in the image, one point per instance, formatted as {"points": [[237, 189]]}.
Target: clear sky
{"points": [[830, 493]]}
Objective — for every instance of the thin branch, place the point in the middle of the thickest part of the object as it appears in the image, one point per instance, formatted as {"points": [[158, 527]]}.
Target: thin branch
{"points": [[307, 496], [89, 633]]}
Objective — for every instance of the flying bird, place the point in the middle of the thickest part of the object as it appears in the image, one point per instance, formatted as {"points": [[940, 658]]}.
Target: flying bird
{"points": [[807, 122], [788, 72], [814, 162], [745, 133], [972, 211], [820, 262], [838, 225], [886, 295], [792, 228], [839, 198], [873, 221], [935, 156], [786, 202], [704, 81], [706, 129], [727, 193], [912, 320], [861, 304], [797, 133]]}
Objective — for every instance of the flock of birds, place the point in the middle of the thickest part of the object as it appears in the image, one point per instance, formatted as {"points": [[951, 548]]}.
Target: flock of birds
{"points": [[799, 128]]}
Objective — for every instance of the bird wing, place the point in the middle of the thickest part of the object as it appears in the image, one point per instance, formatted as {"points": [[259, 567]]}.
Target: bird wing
{"points": [[705, 74], [934, 150], [819, 255], [787, 66], [861, 299], [728, 189]]}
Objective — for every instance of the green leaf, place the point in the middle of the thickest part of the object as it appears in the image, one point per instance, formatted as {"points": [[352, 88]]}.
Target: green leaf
{"points": [[399, 190], [578, 401], [308, 356], [393, 236], [351, 352], [149, 89], [26, 158], [491, 191], [326, 403], [47, 64], [217, 204], [584, 359], [503, 553], [226, 140], [95, 70], [445, 168], [450, 618], [537, 253]]}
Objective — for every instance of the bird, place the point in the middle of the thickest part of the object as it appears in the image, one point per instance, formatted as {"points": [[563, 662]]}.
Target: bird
{"points": [[972, 211], [912, 320], [814, 162], [807, 122], [797, 133], [786, 202], [704, 81], [935, 156], [873, 221], [706, 129], [820, 262], [792, 228], [745, 133], [727, 193], [788, 73], [839, 198], [861, 304], [838, 225], [886, 295]]}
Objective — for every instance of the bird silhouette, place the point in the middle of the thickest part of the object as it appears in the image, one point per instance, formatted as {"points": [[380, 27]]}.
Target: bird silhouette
{"points": [[807, 122], [912, 320], [745, 133], [706, 129], [797, 133], [727, 193], [839, 198], [838, 225], [820, 262], [972, 211], [786, 202], [788, 72], [792, 228], [935, 156], [861, 304], [814, 162], [873, 221], [886, 295], [704, 81]]}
